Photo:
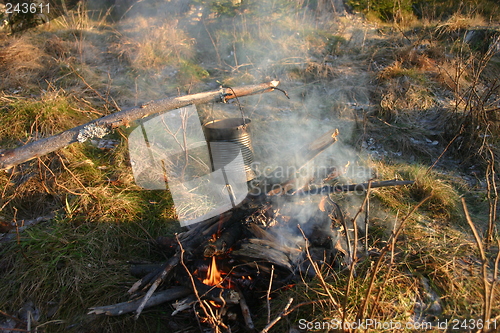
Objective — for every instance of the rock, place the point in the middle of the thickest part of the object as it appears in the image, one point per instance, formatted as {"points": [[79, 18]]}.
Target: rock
{"points": [[483, 40]]}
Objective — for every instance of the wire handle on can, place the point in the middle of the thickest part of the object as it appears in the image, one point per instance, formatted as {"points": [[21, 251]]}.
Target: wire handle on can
{"points": [[237, 101]]}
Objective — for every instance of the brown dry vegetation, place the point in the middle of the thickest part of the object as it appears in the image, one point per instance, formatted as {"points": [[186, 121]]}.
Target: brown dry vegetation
{"points": [[405, 94]]}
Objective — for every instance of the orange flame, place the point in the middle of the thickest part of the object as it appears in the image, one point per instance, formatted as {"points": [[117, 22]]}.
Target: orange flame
{"points": [[214, 276]]}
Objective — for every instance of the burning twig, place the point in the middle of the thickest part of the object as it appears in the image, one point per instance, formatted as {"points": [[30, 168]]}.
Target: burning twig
{"points": [[191, 278], [217, 295]]}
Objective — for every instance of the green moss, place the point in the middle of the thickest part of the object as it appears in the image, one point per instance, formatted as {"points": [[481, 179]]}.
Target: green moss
{"points": [[190, 72]]}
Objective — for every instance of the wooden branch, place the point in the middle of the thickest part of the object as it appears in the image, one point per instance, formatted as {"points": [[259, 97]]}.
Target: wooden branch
{"points": [[245, 311], [254, 249], [160, 297], [102, 126], [171, 263]]}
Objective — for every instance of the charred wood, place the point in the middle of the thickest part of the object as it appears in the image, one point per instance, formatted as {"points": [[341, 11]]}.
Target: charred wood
{"points": [[254, 250], [245, 311], [143, 270], [224, 241], [156, 277], [228, 226]]}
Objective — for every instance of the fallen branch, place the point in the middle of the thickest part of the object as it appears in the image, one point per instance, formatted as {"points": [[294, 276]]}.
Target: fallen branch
{"points": [[160, 297], [102, 126], [22, 225]]}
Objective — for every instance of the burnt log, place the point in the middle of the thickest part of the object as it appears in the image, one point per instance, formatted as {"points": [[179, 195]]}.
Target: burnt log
{"points": [[143, 270], [224, 241], [154, 278], [229, 226], [258, 250]]}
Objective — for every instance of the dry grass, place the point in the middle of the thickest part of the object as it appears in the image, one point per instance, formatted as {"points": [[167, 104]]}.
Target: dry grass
{"points": [[460, 22], [153, 44], [22, 63]]}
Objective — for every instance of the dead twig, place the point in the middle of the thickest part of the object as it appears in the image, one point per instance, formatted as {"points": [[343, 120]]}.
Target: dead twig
{"points": [[495, 278], [11, 317], [484, 265], [168, 268], [88, 85], [14, 330], [492, 193], [213, 321], [395, 235], [75, 178], [445, 149], [286, 311], [245, 311], [354, 187], [268, 296], [389, 271], [131, 306], [318, 271], [283, 313], [55, 179], [354, 258]]}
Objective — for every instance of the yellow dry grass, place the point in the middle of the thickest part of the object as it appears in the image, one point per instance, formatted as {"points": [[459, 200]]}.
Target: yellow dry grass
{"points": [[22, 62]]}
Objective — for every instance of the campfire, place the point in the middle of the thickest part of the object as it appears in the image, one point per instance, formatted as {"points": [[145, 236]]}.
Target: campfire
{"points": [[225, 265], [230, 263]]}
